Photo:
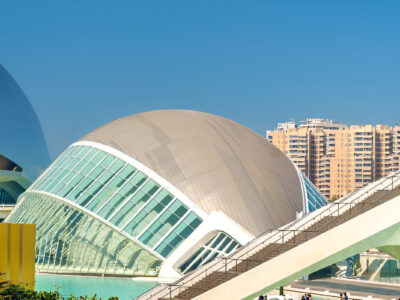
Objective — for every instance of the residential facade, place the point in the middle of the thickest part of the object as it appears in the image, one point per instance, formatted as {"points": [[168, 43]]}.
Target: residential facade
{"points": [[337, 158]]}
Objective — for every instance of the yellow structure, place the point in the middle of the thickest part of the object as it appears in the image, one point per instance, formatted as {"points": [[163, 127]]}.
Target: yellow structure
{"points": [[337, 158], [17, 253]]}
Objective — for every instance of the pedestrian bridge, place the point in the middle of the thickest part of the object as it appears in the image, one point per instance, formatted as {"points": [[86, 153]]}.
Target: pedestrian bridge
{"points": [[368, 218]]}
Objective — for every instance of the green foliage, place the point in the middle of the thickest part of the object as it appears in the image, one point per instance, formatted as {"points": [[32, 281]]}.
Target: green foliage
{"points": [[72, 297], [334, 198], [281, 290], [18, 292], [3, 283]]}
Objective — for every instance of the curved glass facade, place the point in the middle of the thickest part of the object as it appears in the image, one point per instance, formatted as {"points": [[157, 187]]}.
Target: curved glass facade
{"points": [[314, 198], [97, 212], [94, 189], [70, 241], [6, 198], [219, 244], [12, 181]]}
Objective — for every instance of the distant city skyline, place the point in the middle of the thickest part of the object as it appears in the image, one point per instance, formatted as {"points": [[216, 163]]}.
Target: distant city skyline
{"points": [[308, 122], [336, 157], [257, 63]]}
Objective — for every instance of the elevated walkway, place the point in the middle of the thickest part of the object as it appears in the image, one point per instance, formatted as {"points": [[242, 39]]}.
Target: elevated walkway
{"points": [[362, 220]]}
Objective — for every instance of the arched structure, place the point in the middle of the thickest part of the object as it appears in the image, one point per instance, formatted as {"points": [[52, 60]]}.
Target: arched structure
{"points": [[23, 150], [161, 193]]}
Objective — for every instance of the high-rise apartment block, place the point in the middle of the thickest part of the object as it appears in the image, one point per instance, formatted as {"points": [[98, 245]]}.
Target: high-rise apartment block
{"points": [[337, 158]]}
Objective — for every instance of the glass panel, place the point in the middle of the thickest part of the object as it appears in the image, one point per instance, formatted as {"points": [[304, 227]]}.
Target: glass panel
{"points": [[205, 254], [98, 157], [127, 172], [68, 241], [105, 177], [116, 166], [138, 179], [94, 188], [120, 193], [101, 198], [150, 187], [96, 172], [163, 224], [231, 247], [125, 192], [130, 208], [149, 212], [181, 232], [220, 237], [143, 218], [184, 266], [314, 198]]}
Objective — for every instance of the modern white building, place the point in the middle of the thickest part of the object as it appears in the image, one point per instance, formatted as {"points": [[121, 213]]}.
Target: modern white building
{"points": [[160, 194]]}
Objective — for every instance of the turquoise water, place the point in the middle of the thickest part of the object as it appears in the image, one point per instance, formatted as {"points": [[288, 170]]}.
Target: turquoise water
{"points": [[103, 287]]}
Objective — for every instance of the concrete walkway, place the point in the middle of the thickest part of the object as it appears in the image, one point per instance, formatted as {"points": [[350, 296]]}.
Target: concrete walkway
{"points": [[354, 287]]}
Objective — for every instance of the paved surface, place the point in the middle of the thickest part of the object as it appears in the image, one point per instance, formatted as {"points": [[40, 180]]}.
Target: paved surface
{"points": [[354, 287]]}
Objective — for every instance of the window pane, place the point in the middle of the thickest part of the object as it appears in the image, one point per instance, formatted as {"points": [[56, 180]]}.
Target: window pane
{"points": [[130, 208]]}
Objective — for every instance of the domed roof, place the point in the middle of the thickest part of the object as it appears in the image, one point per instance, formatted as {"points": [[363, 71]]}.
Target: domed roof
{"points": [[217, 163], [22, 139]]}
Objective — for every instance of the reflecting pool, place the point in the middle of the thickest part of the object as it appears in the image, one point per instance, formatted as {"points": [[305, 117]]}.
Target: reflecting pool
{"points": [[103, 287]]}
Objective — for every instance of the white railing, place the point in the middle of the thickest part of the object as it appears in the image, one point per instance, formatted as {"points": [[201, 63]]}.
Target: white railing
{"points": [[279, 236]]}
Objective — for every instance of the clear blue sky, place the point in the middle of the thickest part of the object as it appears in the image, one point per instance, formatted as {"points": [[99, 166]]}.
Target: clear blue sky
{"points": [[85, 63]]}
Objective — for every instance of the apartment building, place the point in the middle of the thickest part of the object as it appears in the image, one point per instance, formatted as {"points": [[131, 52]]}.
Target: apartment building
{"points": [[337, 158]]}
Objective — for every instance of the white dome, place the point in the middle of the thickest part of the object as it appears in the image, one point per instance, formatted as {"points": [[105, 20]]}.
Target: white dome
{"points": [[217, 163]]}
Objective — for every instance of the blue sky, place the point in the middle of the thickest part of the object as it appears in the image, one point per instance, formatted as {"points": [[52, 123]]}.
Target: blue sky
{"points": [[85, 63]]}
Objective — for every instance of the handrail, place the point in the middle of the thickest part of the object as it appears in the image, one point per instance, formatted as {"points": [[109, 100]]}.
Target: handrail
{"points": [[324, 209], [321, 212], [221, 263]]}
